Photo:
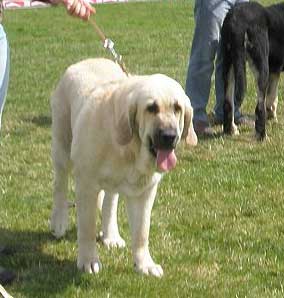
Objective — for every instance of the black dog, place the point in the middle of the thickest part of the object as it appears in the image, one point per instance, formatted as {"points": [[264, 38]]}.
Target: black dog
{"points": [[254, 33]]}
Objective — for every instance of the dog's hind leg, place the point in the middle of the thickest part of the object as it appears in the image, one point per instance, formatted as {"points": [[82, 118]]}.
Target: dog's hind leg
{"points": [[258, 49], [272, 96], [233, 52], [229, 125], [110, 236], [61, 142]]}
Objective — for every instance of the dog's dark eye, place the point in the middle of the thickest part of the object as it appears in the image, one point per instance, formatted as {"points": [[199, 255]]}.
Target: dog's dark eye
{"points": [[177, 107], [153, 108]]}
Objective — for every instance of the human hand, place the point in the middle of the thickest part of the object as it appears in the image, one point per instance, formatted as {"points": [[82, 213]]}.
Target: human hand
{"points": [[79, 8]]}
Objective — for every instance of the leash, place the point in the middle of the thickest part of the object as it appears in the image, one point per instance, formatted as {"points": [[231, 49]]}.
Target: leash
{"points": [[108, 44], [3, 293]]}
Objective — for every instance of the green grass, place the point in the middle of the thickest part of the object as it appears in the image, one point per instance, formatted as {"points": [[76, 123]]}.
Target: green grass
{"points": [[217, 224]]}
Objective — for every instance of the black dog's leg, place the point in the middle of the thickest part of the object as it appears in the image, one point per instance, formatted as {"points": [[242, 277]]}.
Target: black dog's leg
{"points": [[260, 129], [272, 96], [234, 72], [258, 53], [260, 110], [229, 126]]}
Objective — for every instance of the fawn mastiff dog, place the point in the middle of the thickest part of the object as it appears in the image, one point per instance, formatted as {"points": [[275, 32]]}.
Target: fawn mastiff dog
{"points": [[120, 134]]}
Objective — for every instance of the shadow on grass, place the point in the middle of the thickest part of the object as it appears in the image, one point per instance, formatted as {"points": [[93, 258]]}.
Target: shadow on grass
{"points": [[39, 262], [216, 135], [40, 120]]}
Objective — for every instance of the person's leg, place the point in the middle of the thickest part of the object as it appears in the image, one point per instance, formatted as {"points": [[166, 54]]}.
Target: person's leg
{"points": [[6, 276], [201, 64], [221, 12], [4, 69], [209, 15]]}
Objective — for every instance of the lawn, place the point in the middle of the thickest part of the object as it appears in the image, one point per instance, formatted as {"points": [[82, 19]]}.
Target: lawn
{"points": [[217, 224]]}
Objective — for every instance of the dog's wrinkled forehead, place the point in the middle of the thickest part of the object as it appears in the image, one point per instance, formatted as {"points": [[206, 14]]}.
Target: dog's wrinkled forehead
{"points": [[162, 87]]}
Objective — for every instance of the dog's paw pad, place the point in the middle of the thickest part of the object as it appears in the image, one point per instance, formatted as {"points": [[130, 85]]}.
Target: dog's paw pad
{"points": [[59, 230], [92, 267], [261, 137], [234, 130], [112, 242], [156, 271], [59, 223], [271, 115], [151, 269]]}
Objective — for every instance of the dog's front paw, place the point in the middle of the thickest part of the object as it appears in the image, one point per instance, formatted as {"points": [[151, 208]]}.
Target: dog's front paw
{"points": [[271, 114], [261, 136], [88, 259], [234, 130], [111, 241], [59, 221], [150, 269], [92, 267]]}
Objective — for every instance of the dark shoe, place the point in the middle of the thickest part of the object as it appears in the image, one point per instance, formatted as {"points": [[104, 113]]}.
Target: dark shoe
{"points": [[203, 129], [6, 276], [245, 120]]}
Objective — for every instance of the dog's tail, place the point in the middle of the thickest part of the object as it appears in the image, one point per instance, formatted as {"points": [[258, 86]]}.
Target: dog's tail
{"points": [[234, 57]]}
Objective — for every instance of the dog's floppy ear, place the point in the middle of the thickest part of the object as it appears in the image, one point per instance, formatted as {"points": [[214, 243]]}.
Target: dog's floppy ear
{"points": [[188, 132], [125, 119]]}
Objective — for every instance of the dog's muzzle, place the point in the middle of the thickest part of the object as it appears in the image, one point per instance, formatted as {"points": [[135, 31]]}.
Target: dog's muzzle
{"points": [[165, 139], [162, 148]]}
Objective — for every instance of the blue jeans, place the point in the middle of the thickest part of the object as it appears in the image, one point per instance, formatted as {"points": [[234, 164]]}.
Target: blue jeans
{"points": [[4, 69], [205, 54]]}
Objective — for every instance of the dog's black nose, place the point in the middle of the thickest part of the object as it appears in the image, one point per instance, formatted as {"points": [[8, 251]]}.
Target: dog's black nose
{"points": [[166, 138]]}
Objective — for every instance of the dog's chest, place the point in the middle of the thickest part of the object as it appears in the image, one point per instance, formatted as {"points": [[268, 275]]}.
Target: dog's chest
{"points": [[129, 183], [137, 185]]}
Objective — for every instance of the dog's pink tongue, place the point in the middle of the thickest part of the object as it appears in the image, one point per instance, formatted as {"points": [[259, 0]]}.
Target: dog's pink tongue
{"points": [[166, 160]]}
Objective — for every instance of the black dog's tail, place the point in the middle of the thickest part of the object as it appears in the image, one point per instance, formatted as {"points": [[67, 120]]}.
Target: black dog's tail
{"points": [[239, 64], [234, 56]]}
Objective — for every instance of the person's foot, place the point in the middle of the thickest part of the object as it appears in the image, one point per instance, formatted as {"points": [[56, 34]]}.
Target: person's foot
{"points": [[203, 128], [6, 276]]}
